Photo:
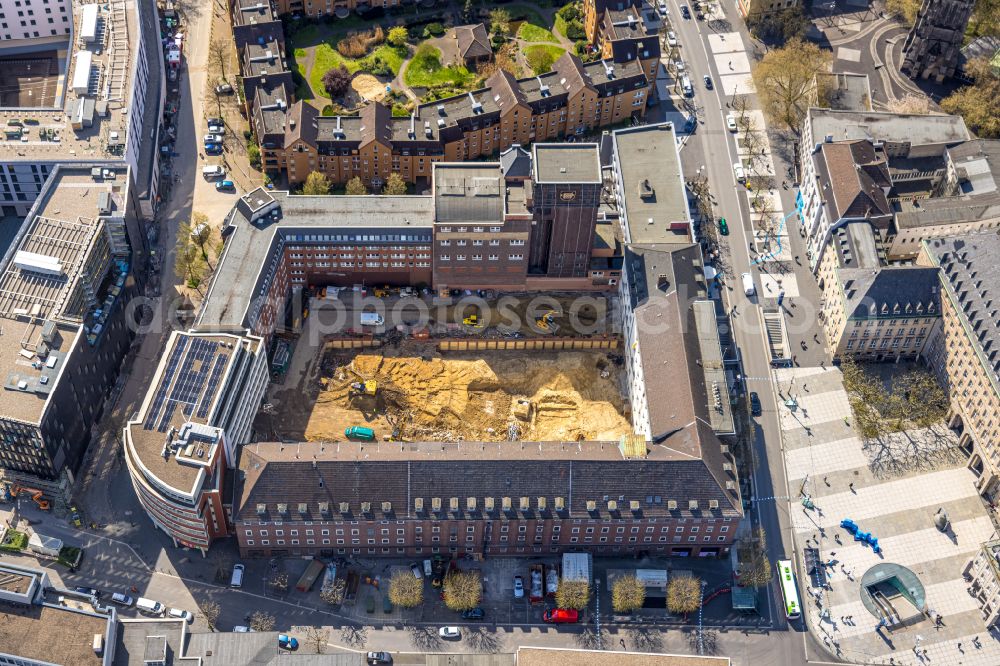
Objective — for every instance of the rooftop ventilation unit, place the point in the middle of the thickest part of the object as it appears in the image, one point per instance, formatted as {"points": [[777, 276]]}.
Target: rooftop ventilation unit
{"points": [[470, 504], [440, 108], [477, 108], [441, 122], [646, 190], [560, 503], [428, 132], [543, 89], [38, 263], [489, 503], [609, 69], [338, 131], [413, 126]]}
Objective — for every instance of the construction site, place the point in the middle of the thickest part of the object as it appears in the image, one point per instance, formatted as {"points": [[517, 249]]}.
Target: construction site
{"points": [[415, 393]]}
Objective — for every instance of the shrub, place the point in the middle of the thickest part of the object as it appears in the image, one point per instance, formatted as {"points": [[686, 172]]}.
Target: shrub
{"points": [[397, 36], [253, 154], [433, 30], [575, 31], [336, 81], [569, 12], [376, 66], [357, 44]]}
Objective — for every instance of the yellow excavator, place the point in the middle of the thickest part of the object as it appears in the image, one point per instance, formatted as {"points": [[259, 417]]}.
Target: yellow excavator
{"points": [[474, 321], [547, 320]]}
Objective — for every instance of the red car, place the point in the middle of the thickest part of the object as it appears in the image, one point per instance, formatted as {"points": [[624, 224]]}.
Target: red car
{"points": [[561, 616]]}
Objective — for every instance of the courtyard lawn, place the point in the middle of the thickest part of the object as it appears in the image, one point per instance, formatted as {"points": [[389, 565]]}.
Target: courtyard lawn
{"points": [[541, 56], [530, 32], [426, 70]]}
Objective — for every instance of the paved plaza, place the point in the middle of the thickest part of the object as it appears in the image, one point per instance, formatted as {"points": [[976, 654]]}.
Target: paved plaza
{"points": [[891, 490]]}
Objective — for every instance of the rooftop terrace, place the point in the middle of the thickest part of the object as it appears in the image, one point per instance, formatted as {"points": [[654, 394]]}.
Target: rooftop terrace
{"points": [[51, 635]]}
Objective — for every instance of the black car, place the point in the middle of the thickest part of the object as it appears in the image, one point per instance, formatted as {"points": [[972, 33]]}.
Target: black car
{"points": [[685, 12], [94, 592], [708, 81], [755, 409], [474, 614]]}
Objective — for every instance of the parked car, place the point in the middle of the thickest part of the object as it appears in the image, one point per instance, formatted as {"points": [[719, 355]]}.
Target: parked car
{"points": [[378, 658], [92, 591], [360, 432], [561, 616], [685, 12], [288, 642], [215, 121], [213, 149], [215, 126], [474, 614], [671, 38], [240, 629], [755, 408], [662, 7], [213, 138], [187, 616], [518, 587], [122, 599], [450, 633], [708, 81], [731, 123], [723, 226], [225, 185], [223, 89], [418, 573]]}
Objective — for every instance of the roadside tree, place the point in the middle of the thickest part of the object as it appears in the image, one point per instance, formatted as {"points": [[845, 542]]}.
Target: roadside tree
{"points": [[210, 610], [463, 590], [317, 638], [684, 594], [356, 187], [627, 594], [261, 621], [405, 590], [786, 81], [754, 565], [316, 183], [334, 594], [573, 594], [394, 184]]}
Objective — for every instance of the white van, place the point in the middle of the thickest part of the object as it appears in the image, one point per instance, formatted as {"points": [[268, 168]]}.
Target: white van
{"points": [[371, 319], [237, 579], [686, 86], [214, 171], [748, 287], [149, 606], [741, 176]]}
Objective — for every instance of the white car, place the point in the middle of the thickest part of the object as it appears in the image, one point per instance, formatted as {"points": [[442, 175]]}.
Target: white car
{"points": [[216, 129], [240, 629], [518, 587], [449, 633], [741, 176], [662, 7], [671, 38], [731, 122], [187, 616], [213, 138]]}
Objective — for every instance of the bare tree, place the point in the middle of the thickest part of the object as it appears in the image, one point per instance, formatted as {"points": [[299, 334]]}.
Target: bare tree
{"points": [[573, 594], [754, 564], [261, 621], [218, 55], [318, 637], [684, 594], [405, 590], [333, 594], [355, 635], [627, 594], [279, 581], [210, 610], [463, 590]]}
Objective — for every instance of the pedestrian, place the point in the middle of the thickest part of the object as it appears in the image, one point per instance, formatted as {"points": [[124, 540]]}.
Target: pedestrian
{"points": [[622, 641], [826, 482], [851, 486]]}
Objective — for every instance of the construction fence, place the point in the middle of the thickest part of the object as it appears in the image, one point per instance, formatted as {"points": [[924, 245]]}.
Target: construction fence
{"points": [[366, 342], [527, 344]]}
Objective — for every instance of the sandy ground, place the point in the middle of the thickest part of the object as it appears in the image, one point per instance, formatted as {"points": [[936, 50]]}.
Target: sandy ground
{"points": [[368, 87], [550, 397]]}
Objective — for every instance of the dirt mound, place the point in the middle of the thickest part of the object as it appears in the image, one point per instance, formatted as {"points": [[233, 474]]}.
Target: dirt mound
{"points": [[561, 396], [370, 88]]}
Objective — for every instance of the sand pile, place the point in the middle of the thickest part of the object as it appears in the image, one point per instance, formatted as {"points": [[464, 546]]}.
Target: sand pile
{"points": [[370, 88]]}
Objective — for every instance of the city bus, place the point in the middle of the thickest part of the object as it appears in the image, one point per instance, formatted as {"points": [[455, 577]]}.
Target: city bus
{"points": [[790, 594]]}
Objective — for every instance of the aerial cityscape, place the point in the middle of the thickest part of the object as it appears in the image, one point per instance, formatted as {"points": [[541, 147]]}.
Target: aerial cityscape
{"points": [[466, 333]]}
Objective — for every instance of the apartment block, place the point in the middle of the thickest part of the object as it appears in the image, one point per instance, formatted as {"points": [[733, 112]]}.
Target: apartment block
{"points": [[27, 23], [65, 284], [965, 355]]}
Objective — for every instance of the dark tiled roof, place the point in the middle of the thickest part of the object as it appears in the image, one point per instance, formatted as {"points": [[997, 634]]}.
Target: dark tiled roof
{"points": [[515, 162], [376, 124], [398, 473], [301, 124], [473, 41], [504, 85], [891, 292], [571, 75]]}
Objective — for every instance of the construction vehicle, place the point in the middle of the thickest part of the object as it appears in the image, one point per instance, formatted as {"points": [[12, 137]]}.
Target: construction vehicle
{"points": [[474, 321], [367, 387], [36, 495], [380, 292], [74, 517]]}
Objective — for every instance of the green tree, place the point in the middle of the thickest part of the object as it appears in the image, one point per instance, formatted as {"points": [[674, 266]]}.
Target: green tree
{"points": [[468, 11], [394, 184], [253, 155], [627, 594], [316, 183], [499, 21], [906, 10], [463, 590], [189, 264], [355, 186], [405, 590], [684, 594], [979, 103], [786, 81], [573, 594], [985, 20], [198, 231], [539, 60], [397, 36], [779, 27]]}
